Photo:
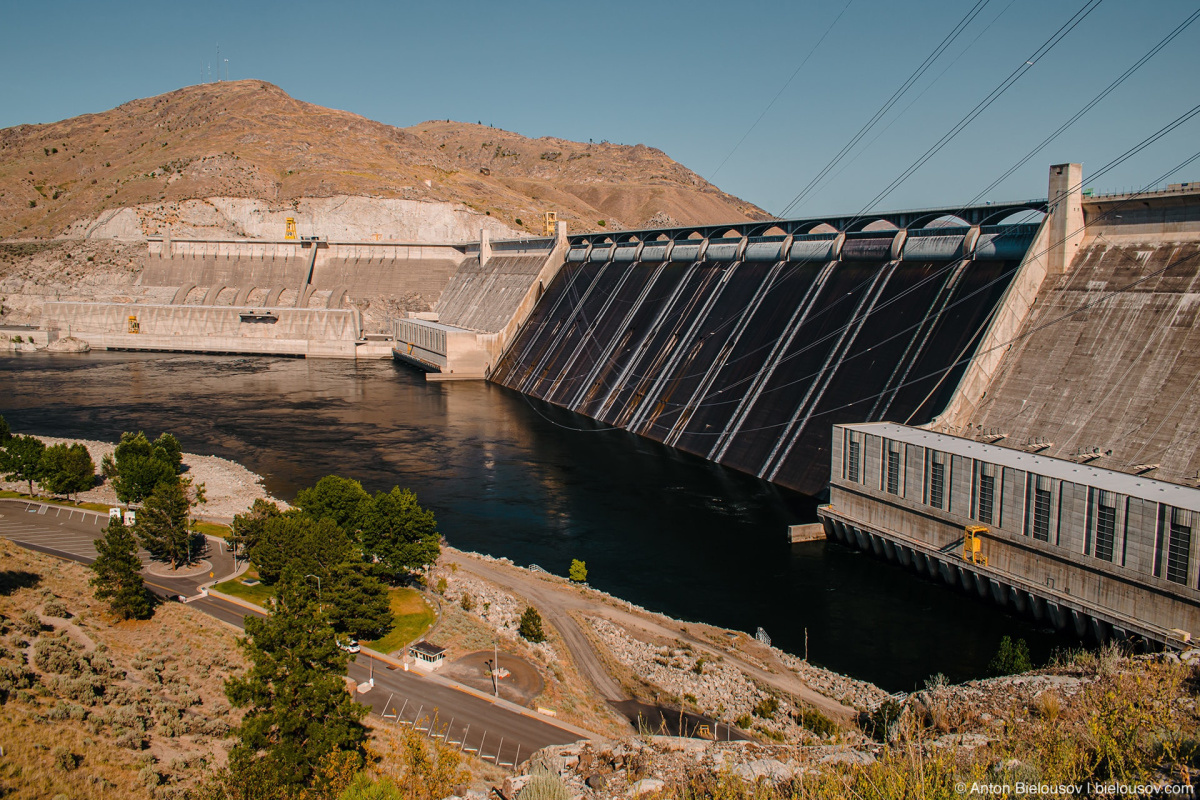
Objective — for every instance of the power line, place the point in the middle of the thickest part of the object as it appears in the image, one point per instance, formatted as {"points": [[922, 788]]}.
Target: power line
{"points": [[831, 178], [933, 56], [1092, 103], [779, 94], [1021, 335], [1070, 25], [1066, 28]]}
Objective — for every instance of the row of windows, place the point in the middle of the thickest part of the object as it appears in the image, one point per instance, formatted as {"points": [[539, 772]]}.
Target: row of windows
{"points": [[1102, 531], [422, 336]]}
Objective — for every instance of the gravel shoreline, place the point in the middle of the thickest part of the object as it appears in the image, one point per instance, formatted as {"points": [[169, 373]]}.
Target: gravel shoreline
{"points": [[230, 487]]}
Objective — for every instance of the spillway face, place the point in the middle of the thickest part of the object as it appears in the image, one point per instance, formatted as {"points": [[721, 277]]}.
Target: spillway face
{"points": [[484, 298], [1107, 366], [746, 351]]}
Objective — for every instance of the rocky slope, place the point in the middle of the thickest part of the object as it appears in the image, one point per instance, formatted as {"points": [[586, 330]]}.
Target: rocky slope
{"points": [[250, 140]]}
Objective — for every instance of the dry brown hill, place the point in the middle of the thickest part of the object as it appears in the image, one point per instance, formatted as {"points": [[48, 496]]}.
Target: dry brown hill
{"points": [[250, 139]]}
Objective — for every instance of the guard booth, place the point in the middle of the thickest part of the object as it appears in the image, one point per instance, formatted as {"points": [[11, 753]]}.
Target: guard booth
{"points": [[427, 656]]}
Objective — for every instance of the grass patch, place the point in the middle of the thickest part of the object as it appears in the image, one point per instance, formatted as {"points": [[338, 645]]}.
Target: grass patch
{"points": [[413, 617], [212, 529], [54, 501], [258, 595]]}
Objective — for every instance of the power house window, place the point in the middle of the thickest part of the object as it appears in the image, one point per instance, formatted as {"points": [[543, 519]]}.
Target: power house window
{"points": [[1041, 509], [893, 468], [937, 480], [987, 493], [1179, 545], [1106, 525]]}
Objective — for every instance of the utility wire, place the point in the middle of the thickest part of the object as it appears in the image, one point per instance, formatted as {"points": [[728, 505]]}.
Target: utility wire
{"points": [[1154, 137], [779, 94], [831, 178], [1021, 335], [933, 56], [994, 95], [1091, 104]]}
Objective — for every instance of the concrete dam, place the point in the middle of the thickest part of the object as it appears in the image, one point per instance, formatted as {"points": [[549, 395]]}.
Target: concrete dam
{"points": [[309, 297], [744, 345]]}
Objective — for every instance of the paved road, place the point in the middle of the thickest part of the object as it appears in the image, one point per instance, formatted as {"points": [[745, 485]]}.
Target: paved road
{"points": [[71, 533], [496, 731]]}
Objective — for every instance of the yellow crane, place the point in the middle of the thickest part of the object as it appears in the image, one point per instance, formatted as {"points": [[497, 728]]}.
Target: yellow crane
{"points": [[290, 230], [549, 220]]}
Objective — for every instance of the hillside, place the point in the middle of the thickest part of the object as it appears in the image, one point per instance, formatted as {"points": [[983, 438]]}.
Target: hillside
{"points": [[249, 139]]}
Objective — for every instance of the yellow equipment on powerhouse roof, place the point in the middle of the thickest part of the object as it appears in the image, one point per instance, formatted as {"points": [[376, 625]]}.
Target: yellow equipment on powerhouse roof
{"points": [[548, 221], [290, 230]]}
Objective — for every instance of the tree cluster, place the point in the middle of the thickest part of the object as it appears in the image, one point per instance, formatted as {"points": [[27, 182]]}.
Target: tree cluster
{"points": [[346, 544], [60, 469], [138, 466], [392, 527], [164, 522]]}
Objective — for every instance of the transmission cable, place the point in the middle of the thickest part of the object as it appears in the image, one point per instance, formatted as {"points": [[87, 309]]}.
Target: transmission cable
{"points": [[891, 101], [1091, 104], [987, 101], [780, 92]]}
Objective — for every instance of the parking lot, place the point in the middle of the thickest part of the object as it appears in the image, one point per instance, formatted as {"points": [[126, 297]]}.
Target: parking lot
{"points": [[68, 532]]}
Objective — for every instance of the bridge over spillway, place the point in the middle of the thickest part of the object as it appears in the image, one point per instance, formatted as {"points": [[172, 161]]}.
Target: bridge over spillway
{"points": [[744, 343]]}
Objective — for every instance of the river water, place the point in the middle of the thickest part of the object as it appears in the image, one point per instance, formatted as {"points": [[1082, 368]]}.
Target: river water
{"points": [[513, 477]]}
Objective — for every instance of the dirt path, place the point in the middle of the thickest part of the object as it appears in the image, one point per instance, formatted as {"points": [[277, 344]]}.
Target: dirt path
{"points": [[553, 605], [557, 601]]}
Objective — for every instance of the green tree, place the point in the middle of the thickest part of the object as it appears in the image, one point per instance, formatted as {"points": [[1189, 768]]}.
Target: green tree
{"points": [[21, 459], [137, 465], [578, 572], [169, 446], [248, 528], [531, 626], [394, 528], [117, 574], [5, 431], [162, 524], [311, 546], [298, 712], [67, 469], [294, 547], [336, 498], [1011, 658], [358, 603]]}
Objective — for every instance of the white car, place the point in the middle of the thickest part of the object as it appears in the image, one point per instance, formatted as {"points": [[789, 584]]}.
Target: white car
{"points": [[351, 646]]}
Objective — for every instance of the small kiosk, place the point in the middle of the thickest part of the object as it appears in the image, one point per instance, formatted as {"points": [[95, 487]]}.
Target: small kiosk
{"points": [[427, 656]]}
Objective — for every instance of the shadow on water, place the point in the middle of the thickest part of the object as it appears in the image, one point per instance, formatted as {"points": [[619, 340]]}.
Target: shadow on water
{"points": [[514, 477]]}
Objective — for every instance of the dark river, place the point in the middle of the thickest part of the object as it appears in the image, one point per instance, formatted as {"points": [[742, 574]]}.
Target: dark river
{"points": [[513, 477]]}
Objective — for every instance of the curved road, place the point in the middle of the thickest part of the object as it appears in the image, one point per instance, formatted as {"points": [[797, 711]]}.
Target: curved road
{"points": [[556, 601], [491, 728]]}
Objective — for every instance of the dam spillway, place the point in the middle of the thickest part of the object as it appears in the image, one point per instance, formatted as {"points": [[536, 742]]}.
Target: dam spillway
{"points": [[744, 345]]}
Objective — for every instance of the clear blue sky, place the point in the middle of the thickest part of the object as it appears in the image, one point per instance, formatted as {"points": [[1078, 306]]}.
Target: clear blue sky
{"points": [[689, 78]]}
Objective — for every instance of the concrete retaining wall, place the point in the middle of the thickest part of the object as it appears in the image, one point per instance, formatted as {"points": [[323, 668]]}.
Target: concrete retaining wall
{"points": [[485, 303], [216, 329], [362, 269]]}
